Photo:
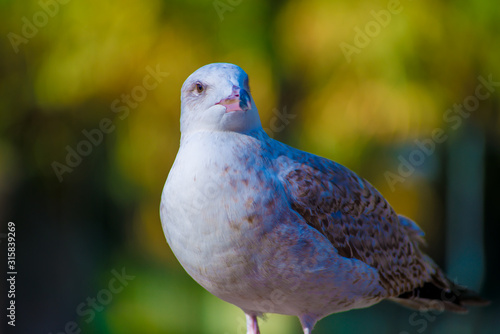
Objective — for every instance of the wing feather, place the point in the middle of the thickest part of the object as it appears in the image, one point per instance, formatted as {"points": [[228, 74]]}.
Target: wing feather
{"points": [[355, 218]]}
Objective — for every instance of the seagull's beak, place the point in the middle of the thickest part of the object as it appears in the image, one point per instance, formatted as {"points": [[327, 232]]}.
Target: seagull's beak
{"points": [[238, 100]]}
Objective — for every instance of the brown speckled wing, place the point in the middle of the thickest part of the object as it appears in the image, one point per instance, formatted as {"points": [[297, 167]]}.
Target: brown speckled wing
{"points": [[355, 218]]}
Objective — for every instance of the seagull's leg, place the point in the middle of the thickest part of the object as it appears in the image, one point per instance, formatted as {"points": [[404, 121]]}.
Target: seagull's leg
{"points": [[252, 325], [308, 321]]}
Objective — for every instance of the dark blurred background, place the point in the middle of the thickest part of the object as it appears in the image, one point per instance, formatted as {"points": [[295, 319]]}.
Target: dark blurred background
{"points": [[405, 93]]}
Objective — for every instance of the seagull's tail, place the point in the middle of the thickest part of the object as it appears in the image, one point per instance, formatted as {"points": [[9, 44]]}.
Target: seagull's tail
{"points": [[434, 296], [439, 293]]}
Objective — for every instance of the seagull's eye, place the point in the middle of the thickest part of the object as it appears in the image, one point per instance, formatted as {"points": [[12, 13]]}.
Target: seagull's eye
{"points": [[199, 87]]}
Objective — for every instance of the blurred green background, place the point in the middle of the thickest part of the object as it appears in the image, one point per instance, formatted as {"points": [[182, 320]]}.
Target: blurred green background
{"points": [[367, 84]]}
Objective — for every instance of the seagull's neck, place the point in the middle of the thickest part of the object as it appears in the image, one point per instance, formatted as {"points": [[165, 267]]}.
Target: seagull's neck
{"points": [[211, 135], [207, 147]]}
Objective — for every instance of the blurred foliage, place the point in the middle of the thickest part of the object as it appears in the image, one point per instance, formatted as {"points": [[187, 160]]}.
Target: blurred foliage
{"points": [[82, 58]]}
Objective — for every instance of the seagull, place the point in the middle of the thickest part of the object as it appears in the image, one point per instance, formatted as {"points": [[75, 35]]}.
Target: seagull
{"points": [[273, 229]]}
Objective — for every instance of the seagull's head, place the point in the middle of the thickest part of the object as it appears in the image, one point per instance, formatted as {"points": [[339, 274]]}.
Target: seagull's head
{"points": [[216, 97]]}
